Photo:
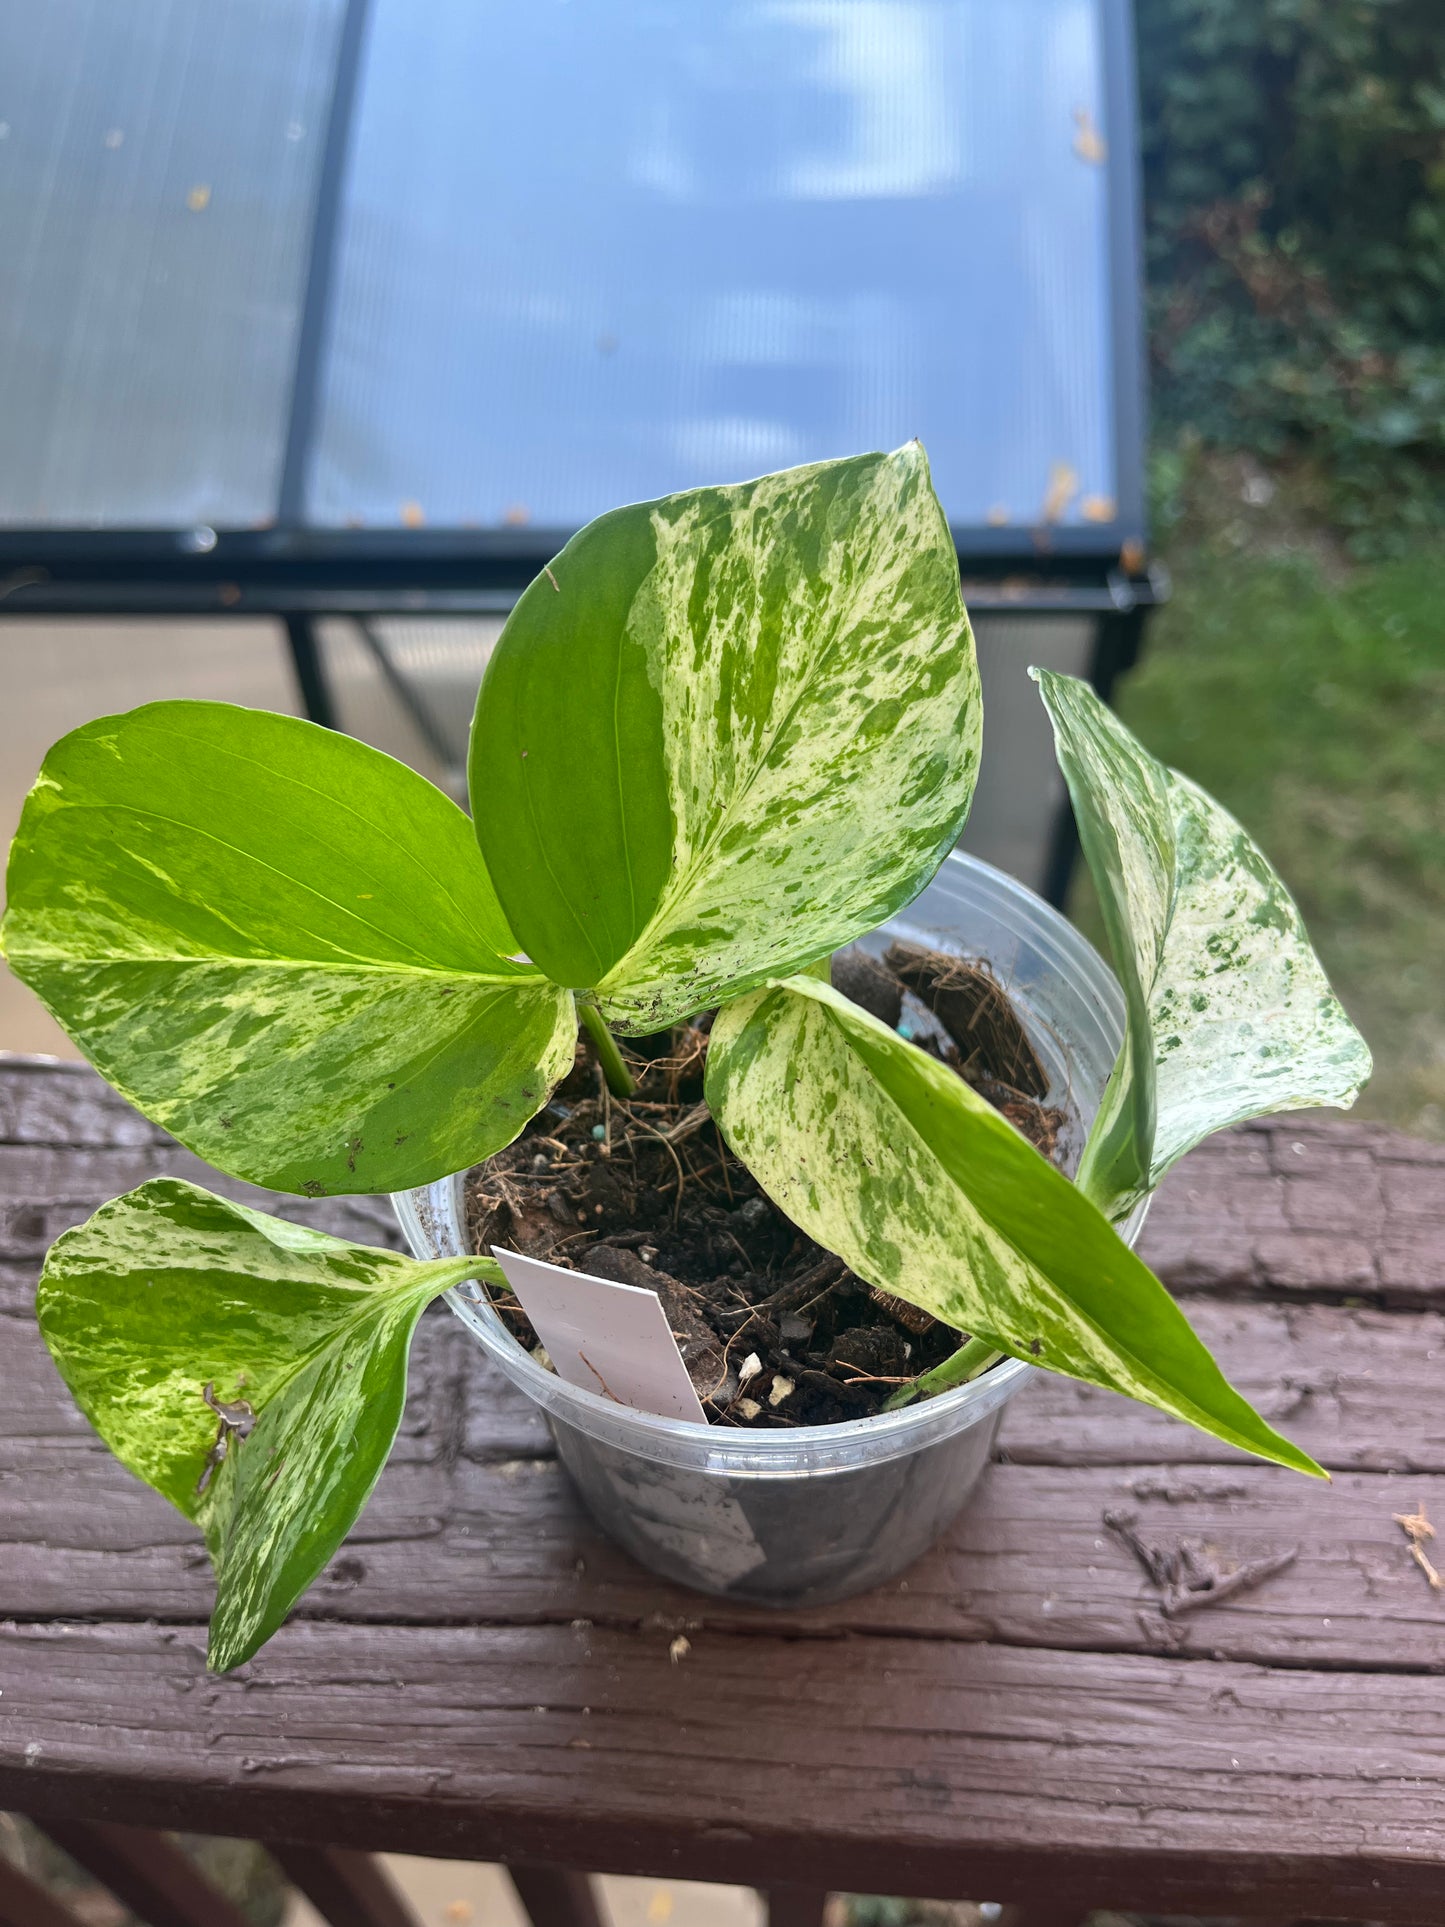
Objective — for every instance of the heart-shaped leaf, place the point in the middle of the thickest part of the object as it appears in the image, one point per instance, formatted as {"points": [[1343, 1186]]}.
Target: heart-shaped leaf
{"points": [[1230, 1014], [728, 731], [250, 1370], [282, 946], [886, 1157]]}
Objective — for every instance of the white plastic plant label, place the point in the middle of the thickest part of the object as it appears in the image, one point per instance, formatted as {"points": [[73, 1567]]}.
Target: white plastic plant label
{"points": [[605, 1338]]}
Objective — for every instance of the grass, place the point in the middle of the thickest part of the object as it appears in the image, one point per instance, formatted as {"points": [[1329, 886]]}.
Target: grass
{"points": [[1310, 699]]}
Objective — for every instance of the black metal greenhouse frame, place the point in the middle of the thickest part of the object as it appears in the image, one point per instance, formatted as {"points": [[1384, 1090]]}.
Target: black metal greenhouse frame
{"points": [[299, 573]]}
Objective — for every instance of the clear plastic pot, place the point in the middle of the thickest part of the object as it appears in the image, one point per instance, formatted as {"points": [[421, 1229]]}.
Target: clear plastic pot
{"points": [[801, 1517]]}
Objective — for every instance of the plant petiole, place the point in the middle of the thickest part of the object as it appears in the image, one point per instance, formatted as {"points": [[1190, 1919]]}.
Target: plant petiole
{"points": [[971, 1360], [619, 1079]]}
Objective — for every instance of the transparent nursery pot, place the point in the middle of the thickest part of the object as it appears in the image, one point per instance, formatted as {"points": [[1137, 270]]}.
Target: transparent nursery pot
{"points": [[803, 1516]]}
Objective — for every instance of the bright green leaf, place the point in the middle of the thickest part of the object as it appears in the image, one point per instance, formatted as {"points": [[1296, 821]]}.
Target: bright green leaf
{"points": [[169, 1290], [885, 1156], [282, 946], [728, 731], [1229, 1011]]}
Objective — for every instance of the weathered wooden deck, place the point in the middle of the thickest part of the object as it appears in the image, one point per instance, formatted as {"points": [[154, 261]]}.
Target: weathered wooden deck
{"points": [[479, 1674]]}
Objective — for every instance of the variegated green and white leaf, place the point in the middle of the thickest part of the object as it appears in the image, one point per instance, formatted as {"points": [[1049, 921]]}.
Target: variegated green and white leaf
{"points": [[1230, 1014], [728, 731], [282, 946], [171, 1308], [885, 1156]]}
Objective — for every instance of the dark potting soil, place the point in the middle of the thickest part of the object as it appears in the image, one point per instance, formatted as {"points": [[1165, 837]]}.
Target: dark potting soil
{"points": [[775, 1331]]}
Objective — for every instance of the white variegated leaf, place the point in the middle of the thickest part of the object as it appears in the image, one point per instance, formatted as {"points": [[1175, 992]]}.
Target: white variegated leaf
{"points": [[729, 731], [252, 1371], [282, 946], [885, 1156], [1230, 1014]]}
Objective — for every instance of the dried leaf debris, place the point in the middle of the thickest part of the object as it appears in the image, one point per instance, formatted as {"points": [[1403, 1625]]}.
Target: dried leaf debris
{"points": [[1417, 1529], [1189, 1576]]}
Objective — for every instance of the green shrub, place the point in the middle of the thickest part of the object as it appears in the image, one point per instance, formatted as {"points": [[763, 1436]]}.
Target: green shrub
{"points": [[1294, 155]]}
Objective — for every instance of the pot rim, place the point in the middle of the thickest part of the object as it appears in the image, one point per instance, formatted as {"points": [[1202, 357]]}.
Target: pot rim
{"points": [[433, 1217]]}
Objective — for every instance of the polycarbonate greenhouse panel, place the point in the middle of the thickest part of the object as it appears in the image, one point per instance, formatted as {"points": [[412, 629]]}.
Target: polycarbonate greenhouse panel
{"points": [[158, 168], [594, 250]]}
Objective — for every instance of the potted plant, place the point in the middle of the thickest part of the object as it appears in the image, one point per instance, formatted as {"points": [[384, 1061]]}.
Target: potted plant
{"points": [[723, 737]]}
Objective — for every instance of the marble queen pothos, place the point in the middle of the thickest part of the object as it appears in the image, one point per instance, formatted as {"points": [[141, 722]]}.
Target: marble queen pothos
{"points": [[722, 735]]}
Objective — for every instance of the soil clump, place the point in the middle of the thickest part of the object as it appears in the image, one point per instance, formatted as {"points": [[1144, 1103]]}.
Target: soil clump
{"points": [[774, 1330]]}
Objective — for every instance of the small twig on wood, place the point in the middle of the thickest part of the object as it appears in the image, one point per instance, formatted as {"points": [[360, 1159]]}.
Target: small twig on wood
{"points": [[1437, 1584], [1219, 1586], [1186, 1575], [1417, 1529]]}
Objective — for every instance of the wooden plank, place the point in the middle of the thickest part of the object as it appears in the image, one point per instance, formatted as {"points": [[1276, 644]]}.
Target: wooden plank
{"points": [[555, 1896], [1064, 1913], [1357, 1387], [1016, 1717], [146, 1871], [868, 1764], [347, 1889], [1030, 1562], [1309, 1207], [501, 1537], [45, 1189], [18, 1279], [24, 1903], [68, 1142], [1290, 1208], [796, 1906], [44, 1100]]}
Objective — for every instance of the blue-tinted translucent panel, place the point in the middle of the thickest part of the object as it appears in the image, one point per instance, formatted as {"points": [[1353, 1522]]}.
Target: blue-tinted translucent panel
{"points": [[157, 174], [592, 252]]}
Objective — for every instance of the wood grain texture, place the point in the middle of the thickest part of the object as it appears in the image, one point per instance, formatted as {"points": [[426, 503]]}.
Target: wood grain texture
{"points": [[1358, 1388], [68, 1143], [947, 1768], [475, 1524], [1309, 1207], [49, 1100], [479, 1672]]}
